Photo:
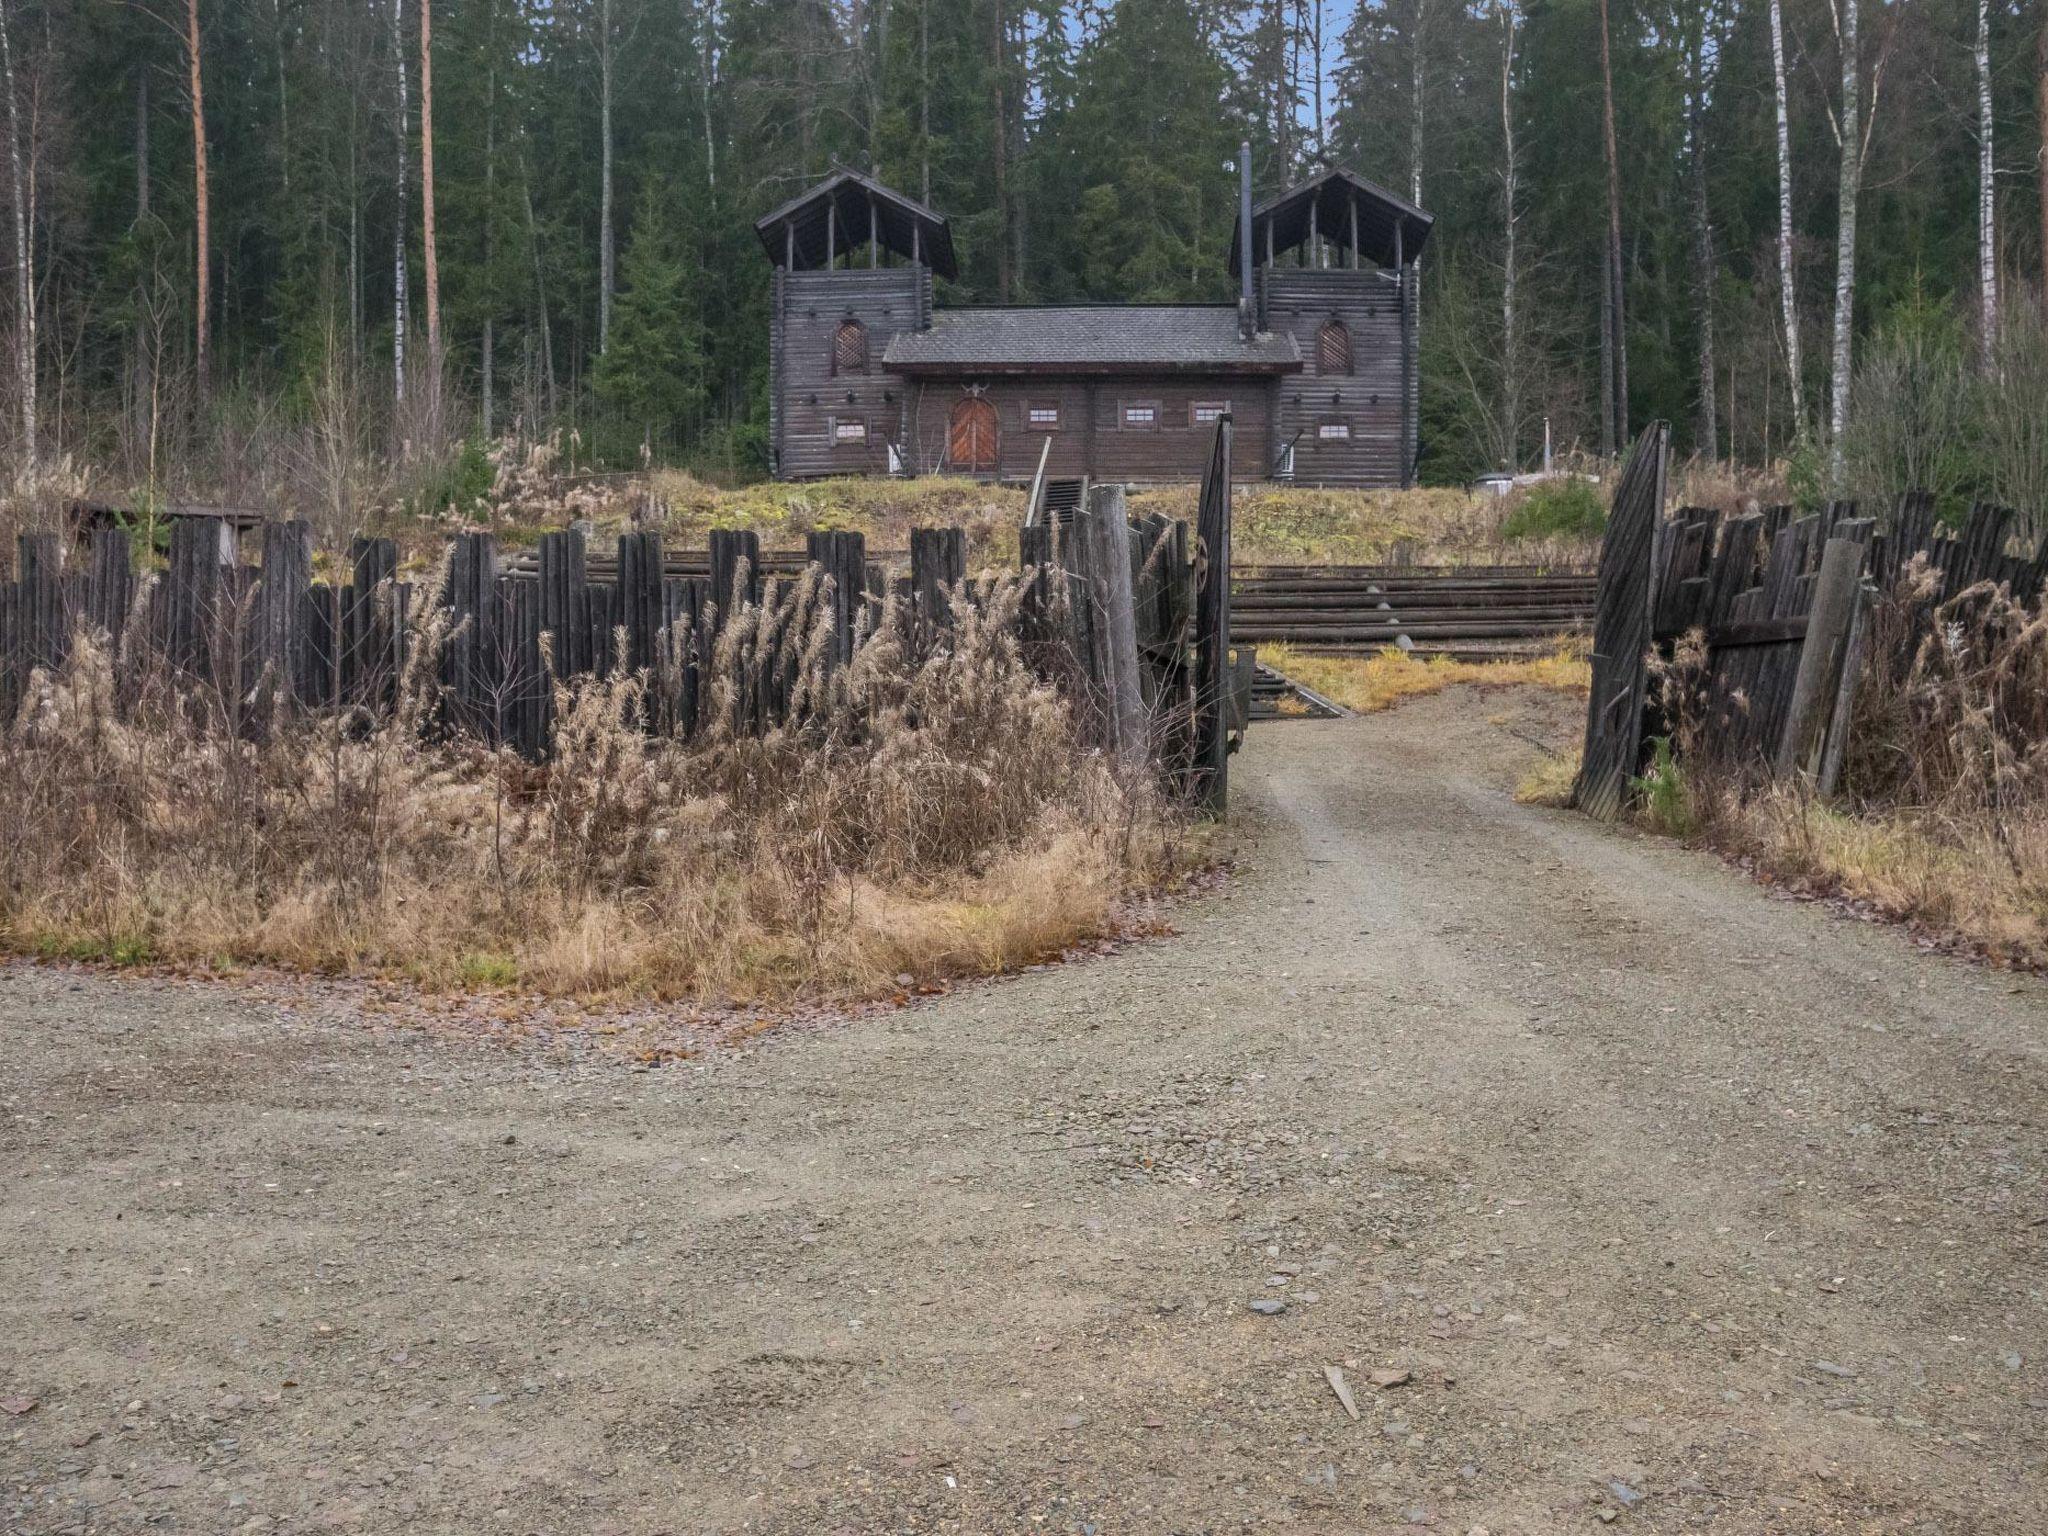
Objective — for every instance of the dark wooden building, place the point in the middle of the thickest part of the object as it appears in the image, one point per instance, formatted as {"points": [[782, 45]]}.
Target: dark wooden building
{"points": [[1316, 362]]}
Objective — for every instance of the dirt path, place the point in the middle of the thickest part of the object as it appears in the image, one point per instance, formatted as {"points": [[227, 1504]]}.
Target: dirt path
{"points": [[1681, 1208]]}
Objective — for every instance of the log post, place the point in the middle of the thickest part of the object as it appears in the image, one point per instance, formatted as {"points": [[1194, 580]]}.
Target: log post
{"points": [[1821, 658]]}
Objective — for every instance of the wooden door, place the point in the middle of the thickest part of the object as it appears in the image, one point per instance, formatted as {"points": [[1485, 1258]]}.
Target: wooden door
{"points": [[971, 436]]}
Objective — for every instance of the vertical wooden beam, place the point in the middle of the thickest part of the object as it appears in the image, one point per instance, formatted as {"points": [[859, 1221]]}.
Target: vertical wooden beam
{"points": [[1212, 630], [1315, 234], [789, 244], [1828, 625], [1351, 206], [874, 236], [831, 233], [1113, 614], [1402, 275], [916, 243]]}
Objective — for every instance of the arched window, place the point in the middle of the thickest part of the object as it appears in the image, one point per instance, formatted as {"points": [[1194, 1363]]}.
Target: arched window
{"points": [[850, 348], [1333, 348]]}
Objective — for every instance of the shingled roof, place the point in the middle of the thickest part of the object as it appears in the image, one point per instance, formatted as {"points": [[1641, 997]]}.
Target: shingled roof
{"points": [[1107, 338]]}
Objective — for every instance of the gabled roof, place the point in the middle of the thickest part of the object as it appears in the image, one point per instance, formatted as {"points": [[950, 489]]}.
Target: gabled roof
{"points": [[1107, 338], [1332, 195], [903, 224]]}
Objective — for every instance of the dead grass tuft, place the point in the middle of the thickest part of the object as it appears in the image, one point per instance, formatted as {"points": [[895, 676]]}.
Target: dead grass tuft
{"points": [[1389, 677]]}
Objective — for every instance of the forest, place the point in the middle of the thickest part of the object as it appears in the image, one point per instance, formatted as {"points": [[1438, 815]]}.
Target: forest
{"points": [[295, 243]]}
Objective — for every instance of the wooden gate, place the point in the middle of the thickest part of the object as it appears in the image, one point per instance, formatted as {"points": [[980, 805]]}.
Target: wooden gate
{"points": [[971, 436]]}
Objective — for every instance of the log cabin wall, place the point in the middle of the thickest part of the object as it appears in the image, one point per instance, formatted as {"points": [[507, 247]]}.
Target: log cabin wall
{"points": [[824, 418], [1353, 427], [1097, 429]]}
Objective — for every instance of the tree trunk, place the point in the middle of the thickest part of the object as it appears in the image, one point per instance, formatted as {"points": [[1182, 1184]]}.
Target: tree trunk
{"points": [[429, 253], [202, 273], [284, 101], [1415, 107], [141, 145], [24, 278], [998, 66], [1510, 318], [1987, 195], [398, 236], [2041, 155], [1706, 432], [924, 100], [707, 47], [606, 267], [1616, 308], [1788, 298], [488, 360], [1849, 190]]}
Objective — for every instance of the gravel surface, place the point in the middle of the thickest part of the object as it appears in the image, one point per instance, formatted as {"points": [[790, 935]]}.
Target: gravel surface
{"points": [[1615, 1192]]}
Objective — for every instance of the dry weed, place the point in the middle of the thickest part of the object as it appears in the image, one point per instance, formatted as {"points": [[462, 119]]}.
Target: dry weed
{"points": [[1389, 677], [933, 814]]}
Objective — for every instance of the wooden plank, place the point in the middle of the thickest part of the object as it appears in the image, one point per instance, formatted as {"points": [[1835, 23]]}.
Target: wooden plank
{"points": [[1622, 630], [1210, 776], [280, 605], [1819, 671]]}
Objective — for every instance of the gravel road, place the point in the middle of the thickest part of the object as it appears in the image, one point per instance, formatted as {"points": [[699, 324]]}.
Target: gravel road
{"points": [[1620, 1193]]}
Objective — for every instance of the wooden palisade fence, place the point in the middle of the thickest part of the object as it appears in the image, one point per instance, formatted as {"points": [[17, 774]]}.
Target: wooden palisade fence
{"points": [[1779, 603], [1124, 615]]}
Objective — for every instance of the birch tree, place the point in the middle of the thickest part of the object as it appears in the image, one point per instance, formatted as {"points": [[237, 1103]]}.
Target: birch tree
{"points": [[1987, 199], [398, 236], [24, 276], [1706, 431], [1852, 125], [1788, 298]]}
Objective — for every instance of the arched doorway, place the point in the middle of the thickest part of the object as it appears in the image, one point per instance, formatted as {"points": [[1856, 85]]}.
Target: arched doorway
{"points": [[971, 436]]}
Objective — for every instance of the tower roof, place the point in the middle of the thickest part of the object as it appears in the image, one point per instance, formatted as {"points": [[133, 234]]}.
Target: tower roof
{"points": [[1333, 195], [854, 209]]}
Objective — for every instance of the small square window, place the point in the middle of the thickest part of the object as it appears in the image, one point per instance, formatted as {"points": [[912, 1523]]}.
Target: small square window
{"points": [[849, 429], [1141, 416], [1203, 412], [1333, 429], [1043, 415]]}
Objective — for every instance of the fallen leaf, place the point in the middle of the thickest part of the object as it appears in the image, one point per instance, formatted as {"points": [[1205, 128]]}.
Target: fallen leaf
{"points": [[17, 1406]]}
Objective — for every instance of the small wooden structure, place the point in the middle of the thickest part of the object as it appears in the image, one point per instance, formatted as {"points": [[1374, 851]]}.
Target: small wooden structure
{"points": [[1315, 363]]}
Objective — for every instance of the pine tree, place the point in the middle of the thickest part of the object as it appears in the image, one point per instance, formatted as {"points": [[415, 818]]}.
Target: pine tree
{"points": [[651, 375]]}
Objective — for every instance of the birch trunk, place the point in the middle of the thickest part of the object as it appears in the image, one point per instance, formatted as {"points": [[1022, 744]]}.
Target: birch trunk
{"points": [[1849, 190], [1617, 310], [1415, 107], [202, 272], [1706, 430], [1987, 197], [2041, 156], [1788, 300], [429, 251], [398, 237], [606, 271], [24, 279]]}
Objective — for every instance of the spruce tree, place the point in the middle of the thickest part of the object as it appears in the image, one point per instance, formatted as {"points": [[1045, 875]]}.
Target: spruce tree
{"points": [[650, 379]]}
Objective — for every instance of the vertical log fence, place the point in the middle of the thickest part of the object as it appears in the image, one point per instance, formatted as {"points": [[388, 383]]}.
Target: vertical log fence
{"points": [[1128, 616]]}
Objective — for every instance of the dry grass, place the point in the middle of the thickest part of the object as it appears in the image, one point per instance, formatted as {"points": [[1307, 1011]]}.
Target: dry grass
{"points": [[1275, 524], [1389, 677], [1299, 525], [1942, 815], [933, 815], [1548, 780], [1979, 884]]}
